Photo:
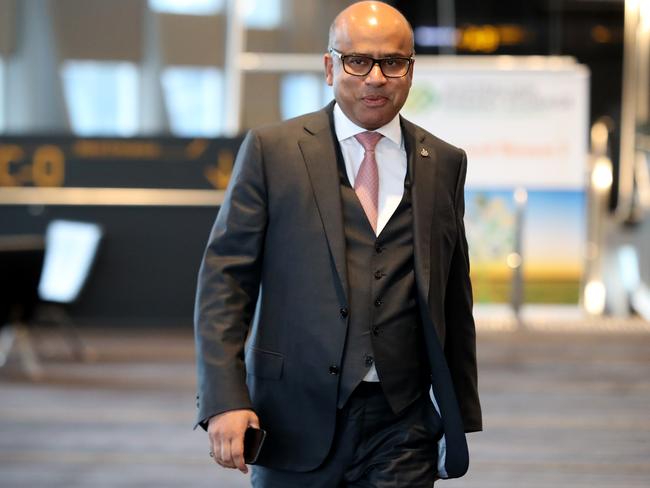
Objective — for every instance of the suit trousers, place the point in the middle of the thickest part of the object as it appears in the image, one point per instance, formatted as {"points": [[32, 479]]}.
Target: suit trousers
{"points": [[372, 447]]}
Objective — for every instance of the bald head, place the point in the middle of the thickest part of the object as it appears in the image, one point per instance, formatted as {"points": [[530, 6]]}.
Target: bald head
{"points": [[374, 17], [376, 36]]}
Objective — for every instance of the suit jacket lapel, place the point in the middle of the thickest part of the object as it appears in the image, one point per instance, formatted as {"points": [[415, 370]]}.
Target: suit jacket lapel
{"points": [[422, 168], [319, 152]]}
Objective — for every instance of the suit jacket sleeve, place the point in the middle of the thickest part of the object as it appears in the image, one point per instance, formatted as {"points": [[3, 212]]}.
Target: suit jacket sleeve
{"points": [[228, 286], [460, 344]]}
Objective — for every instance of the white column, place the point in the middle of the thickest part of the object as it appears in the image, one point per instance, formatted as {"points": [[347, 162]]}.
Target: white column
{"points": [[233, 79], [153, 117], [628, 111], [34, 92]]}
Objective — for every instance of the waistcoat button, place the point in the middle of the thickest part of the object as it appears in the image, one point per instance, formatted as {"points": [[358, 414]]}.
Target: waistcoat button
{"points": [[343, 312], [334, 369]]}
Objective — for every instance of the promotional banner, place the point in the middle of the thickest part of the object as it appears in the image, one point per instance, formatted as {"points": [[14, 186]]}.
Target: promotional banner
{"points": [[524, 124]]}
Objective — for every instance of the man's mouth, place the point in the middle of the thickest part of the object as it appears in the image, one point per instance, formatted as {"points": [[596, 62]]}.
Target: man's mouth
{"points": [[374, 100]]}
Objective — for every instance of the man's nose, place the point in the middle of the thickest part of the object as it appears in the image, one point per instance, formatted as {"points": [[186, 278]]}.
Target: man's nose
{"points": [[376, 75]]}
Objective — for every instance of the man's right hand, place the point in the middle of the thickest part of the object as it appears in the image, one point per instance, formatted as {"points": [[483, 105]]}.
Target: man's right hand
{"points": [[226, 434]]}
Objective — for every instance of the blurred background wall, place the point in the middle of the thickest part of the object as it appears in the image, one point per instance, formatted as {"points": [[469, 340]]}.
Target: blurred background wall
{"points": [[119, 124], [129, 113], [57, 54]]}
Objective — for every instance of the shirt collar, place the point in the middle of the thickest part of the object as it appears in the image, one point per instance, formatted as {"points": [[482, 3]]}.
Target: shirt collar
{"points": [[345, 128]]}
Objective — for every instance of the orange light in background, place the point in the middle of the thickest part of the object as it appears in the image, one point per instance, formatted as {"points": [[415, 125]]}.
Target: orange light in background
{"points": [[479, 38], [488, 38], [511, 35], [601, 34]]}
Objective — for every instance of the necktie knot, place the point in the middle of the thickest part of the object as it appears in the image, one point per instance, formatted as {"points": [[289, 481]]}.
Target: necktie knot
{"points": [[368, 139]]}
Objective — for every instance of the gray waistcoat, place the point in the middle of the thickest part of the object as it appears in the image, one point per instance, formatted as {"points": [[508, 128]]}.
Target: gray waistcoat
{"points": [[384, 323]]}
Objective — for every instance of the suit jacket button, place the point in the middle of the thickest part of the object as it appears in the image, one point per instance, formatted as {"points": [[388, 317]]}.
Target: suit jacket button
{"points": [[334, 369], [378, 302], [343, 312]]}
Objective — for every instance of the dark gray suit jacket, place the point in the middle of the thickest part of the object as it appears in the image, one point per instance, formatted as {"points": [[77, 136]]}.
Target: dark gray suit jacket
{"points": [[273, 281]]}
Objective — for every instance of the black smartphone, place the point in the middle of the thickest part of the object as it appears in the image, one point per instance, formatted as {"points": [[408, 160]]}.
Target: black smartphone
{"points": [[253, 442]]}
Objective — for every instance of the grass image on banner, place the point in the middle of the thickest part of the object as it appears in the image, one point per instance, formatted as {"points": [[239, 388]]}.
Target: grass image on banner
{"points": [[553, 245]]}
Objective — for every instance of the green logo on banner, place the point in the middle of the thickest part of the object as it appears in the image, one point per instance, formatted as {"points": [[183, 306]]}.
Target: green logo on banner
{"points": [[421, 98]]}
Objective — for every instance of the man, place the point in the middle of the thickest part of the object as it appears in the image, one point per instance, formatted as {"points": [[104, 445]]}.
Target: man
{"points": [[334, 302]]}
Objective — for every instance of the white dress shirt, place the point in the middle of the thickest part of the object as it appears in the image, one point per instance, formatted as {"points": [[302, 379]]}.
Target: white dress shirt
{"points": [[391, 163]]}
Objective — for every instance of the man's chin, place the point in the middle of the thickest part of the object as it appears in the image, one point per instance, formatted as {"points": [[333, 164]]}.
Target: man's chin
{"points": [[371, 119]]}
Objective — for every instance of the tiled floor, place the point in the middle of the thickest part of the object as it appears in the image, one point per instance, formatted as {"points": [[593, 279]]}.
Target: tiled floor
{"points": [[560, 410]]}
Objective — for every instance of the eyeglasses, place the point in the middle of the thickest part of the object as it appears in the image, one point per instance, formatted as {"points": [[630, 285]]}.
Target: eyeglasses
{"points": [[359, 65]]}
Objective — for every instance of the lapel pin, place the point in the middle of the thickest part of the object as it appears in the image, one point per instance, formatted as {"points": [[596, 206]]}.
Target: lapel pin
{"points": [[424, 153]]}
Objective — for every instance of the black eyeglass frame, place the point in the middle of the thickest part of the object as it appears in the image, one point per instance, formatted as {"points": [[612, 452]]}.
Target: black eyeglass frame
{"points": [[375, 61]]}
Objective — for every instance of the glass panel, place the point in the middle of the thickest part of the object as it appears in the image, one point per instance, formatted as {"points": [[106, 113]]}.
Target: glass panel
{"points": [[194, 100], [70, 249], [258, 14], [266, 14], [303, 93], [102, 97], [187, 7]]}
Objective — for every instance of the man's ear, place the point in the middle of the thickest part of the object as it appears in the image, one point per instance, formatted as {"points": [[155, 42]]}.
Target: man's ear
{"points": [[329, 67]]}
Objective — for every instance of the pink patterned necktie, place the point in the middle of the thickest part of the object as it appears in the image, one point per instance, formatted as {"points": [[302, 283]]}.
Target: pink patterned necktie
{"points": [[366, 183]]}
